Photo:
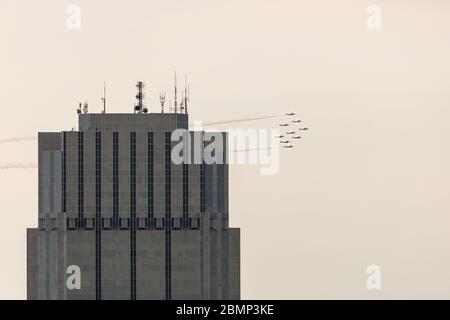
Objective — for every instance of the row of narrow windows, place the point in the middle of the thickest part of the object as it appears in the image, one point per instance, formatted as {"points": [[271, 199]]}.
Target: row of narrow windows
{"points": [[150, 177]]}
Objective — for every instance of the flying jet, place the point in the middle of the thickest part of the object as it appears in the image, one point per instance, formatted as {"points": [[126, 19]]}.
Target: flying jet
{"points": [[296, 121], [284, 124], [279, 136], [290, 114], [304, 129], [296, 137], [290, 132], [288, 146], [286, 141]]}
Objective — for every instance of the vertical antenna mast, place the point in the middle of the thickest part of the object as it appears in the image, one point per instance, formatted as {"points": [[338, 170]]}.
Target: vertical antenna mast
{"points": [[104, 97], [175, 92], [162, 99], [182, 102], [185, 94], [139, 107]]}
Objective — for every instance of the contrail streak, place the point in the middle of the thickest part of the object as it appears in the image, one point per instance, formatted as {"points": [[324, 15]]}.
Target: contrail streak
{"points": [[7, 166], [17, 139], [238, 120], [247, 150]]}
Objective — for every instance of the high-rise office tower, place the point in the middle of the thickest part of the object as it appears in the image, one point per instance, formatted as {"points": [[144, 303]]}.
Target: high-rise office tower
{"points": [[118, 219]]}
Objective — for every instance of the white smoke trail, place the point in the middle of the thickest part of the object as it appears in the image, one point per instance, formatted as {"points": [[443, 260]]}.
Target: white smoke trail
{"points": [[7, 166], [238, 120], [248, 150], [17, 139]]}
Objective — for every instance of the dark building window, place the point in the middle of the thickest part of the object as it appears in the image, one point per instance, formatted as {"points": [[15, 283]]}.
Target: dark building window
{"points": [[203, 184], [115, 223], [150, 159], [168, 216], [98, 215], [208, 186], [80, 179], [64, 173], [133, 212], [220, 187], [185, 195], [202, 187]]}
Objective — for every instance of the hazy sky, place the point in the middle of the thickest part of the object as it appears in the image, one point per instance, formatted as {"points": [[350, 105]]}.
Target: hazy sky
{"points": [[368, 185]]}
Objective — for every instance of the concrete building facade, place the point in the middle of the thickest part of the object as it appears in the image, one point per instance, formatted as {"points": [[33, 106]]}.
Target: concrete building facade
{"points": [[137, 225]]}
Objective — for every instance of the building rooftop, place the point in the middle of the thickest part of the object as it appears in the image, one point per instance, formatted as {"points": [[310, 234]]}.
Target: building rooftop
{"points": [[133, 121]]}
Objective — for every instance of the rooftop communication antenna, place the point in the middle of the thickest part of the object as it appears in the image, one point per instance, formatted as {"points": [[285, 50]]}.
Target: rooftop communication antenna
{"points": [[104, 97], [139, 106], [162, 100], [186, 94], [79, 108], [182, 102], [176, 104], [85, 107]]}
